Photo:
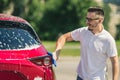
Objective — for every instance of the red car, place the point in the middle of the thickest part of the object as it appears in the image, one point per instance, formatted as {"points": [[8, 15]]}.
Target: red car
{"points": [[22, 55]]}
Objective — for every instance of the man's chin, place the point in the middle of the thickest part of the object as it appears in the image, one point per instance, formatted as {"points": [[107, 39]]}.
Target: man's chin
{"points": [[90, 27]]}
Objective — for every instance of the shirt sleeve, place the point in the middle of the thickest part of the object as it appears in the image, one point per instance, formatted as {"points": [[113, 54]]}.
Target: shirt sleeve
{"points": [[111, 48], [77, 34]]}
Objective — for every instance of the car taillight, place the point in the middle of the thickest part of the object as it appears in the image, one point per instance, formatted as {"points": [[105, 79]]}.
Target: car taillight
{"points": [[42, 61]]}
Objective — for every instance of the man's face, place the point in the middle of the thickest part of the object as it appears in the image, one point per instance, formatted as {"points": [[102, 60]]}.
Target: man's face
{"points": [[92, 20]]}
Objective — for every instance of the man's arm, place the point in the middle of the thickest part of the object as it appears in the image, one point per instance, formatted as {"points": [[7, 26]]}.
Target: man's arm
{"points": [[115, 67], [60, 43]]}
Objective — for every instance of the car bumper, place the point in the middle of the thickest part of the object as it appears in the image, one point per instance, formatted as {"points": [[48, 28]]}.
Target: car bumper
{"points": [[27, 71]]}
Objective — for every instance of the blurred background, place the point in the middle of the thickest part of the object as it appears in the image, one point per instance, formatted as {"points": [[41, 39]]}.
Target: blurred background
{"points": [[51, 18]]}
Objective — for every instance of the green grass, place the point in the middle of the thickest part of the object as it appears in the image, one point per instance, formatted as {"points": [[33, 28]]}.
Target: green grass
{"points": [[118, 47], [70, 48]]}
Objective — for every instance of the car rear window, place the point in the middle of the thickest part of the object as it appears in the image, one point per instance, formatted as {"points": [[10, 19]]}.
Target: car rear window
{"points": [[17, 35], [15, 38]]}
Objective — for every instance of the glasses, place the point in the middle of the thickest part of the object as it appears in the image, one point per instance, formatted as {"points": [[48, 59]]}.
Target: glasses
{"points": [[91, 19]]}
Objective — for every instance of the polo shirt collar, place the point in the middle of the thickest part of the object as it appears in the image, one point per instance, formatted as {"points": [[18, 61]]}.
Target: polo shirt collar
{"points": [[97, 33]]}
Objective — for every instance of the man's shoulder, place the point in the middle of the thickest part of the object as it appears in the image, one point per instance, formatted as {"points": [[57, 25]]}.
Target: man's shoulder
{"points": [[108, 36], [82, 29], [85, 28]]}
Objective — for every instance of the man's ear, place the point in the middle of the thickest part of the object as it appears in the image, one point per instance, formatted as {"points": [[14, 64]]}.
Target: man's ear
{"points": [[101, 20]]}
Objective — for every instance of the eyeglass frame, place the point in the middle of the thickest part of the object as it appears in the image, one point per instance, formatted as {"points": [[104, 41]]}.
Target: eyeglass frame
{"points": [[91, 19]]}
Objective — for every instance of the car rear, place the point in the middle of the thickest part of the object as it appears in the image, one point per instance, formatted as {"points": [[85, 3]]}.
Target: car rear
{"points": [[30, 68], [22, 56]]}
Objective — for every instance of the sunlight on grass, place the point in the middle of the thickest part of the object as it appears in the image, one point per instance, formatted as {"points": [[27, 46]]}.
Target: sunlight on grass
{"points": [[118, 47], [70, 48]]}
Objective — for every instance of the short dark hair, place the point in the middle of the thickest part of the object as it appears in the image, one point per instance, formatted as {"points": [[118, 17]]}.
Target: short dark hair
{"points": [[98, 10]]}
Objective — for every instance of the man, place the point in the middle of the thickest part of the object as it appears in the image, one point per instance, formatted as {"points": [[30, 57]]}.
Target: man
{"points": [[97, 45]]}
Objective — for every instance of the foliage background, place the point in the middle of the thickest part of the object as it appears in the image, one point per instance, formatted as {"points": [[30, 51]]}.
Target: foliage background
{"points": [[51, 18]]}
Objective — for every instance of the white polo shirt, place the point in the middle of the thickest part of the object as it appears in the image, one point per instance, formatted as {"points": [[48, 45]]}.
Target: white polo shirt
{"points": [[95, 49]]}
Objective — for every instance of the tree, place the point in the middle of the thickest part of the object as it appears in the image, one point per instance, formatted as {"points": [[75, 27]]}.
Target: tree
{"points": [[4, 5], [107, 15], [51, 18], [62, 16]]}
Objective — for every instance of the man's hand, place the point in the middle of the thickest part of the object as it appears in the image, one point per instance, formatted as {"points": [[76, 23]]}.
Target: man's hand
{"points": [[56, 54]]}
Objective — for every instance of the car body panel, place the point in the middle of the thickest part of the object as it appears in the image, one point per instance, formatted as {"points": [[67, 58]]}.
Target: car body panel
{"points": [[21, 54]]}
